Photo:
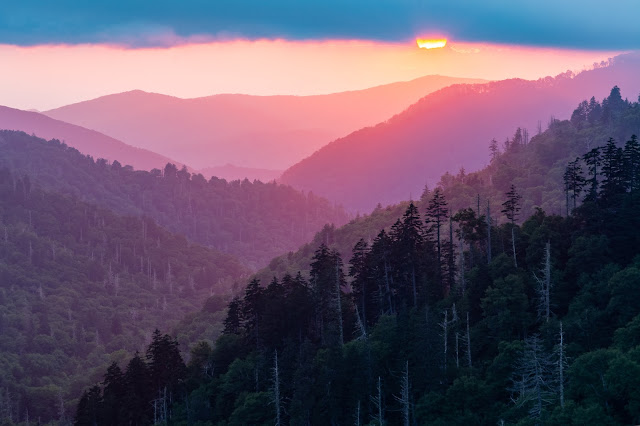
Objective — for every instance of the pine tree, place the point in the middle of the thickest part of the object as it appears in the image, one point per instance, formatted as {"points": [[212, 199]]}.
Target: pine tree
{"points": [[510, 209], [632, 163], [363, 289], [436, 215], [232, 322], [612, 170], [593, 160], [252, 310]]}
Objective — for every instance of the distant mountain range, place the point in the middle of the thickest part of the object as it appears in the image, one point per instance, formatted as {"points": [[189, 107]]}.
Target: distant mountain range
{"points": [[271, 132], [89, 142], [447, 130]]}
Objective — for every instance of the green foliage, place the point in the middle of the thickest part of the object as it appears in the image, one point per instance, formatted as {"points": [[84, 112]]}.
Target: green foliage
{"points": [[80, 287]]}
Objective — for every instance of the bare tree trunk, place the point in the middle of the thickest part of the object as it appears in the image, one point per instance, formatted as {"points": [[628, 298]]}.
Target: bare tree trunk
{"points": [[377, 402], [513, 244], [488, 232], [468, 336], [339, 300], [561, 365], [276, 390], [445, 335], [403, 399]]}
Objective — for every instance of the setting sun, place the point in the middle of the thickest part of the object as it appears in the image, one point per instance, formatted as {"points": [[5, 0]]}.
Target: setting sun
{"points": [[431, 44]]}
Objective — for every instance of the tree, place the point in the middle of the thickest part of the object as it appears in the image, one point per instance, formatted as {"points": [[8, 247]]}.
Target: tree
{"points": [[363, 287], [403, 399], [232, 322], [532, 380], [574, 182], [327, 281], [88, 411], [632, 163], [436, 215], [114, 387], [252, 310], [612, 170], [510, 209], [138, 392], [494, 149], [543, 288], [593, 159]]}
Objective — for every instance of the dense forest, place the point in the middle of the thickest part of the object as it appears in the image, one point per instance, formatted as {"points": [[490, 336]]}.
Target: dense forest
{"points": [[254, 221], [445, 319], [535, 165], [80, 287], [472, 317]]}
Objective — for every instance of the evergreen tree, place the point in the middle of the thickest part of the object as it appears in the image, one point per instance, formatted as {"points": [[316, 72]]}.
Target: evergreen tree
{"points": [[232, 322], [593, 160], [510, 209], [612, 170], [436, 215], [632, 163]]}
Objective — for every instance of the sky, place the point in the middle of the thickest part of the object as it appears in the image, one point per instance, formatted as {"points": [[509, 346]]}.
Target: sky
{"points": [[55, 53]]}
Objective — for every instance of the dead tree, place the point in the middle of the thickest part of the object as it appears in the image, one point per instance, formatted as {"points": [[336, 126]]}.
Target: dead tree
{"points": [[277, 401], [378, 403], [543, 288], [403, 399], [532, 380]]}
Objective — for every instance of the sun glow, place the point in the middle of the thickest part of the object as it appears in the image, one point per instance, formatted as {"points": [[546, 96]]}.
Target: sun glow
{"points": [[431, 43]]}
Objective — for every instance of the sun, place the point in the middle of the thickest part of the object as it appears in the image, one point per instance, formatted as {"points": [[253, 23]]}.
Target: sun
{"points": [[431, 43]]}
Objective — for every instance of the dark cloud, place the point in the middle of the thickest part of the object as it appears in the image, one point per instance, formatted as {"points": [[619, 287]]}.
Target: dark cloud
{"points": [[588, 24]]}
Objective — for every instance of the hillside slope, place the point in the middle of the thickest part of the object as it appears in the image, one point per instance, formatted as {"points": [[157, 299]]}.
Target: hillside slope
{"points": [[446, 130], [270, 132], [85, 140], [81, 287], [253, 220], [536, 169]]}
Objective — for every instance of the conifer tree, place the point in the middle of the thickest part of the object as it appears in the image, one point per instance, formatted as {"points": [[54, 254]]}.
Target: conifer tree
{"points": [[436, 215], [510, 209]]}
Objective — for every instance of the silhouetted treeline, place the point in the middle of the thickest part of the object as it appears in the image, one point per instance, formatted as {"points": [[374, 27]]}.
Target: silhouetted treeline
{"points": [[544, 330]]}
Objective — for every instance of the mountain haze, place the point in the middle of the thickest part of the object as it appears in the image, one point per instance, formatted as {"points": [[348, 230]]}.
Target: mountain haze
{"points": [[446, 130], [270, 132], [89, 142]]}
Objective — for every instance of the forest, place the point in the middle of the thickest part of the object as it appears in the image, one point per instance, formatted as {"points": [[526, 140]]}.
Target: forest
{"points": [[254, 221], [80, 287], [494, 314]]}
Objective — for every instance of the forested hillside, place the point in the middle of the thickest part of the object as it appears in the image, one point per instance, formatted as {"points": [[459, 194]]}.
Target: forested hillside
{"points": [[80, 287], [254, 221], [536, 167], [447, 129], [438, 321]]}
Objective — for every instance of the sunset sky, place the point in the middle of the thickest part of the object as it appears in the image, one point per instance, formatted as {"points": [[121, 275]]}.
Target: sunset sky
{"points": [[53, 54]]}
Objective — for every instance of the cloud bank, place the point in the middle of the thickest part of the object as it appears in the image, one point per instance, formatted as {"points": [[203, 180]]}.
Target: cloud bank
{"points": [[585, 24]]}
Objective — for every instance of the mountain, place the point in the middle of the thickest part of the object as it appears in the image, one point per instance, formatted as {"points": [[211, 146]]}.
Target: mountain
{"points": [[447, 130], [231, 172], [521, 324], [535, 168], [80, 287], [87, 141], [270, 132], [254, 221]]}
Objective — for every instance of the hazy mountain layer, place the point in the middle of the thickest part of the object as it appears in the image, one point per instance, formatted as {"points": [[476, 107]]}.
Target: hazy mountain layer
{"points": [[271, 132], [447, 130]]}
